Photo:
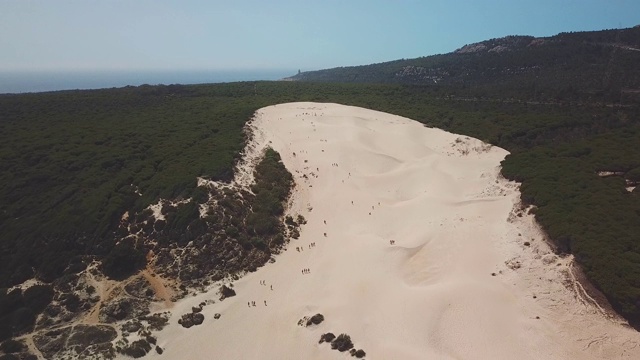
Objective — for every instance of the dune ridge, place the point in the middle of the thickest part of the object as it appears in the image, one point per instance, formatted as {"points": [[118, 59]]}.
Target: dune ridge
{"points": [[422, 251]]}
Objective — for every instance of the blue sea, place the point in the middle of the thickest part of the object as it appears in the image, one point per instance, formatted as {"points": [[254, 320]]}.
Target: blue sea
{"points": [[39, 81]]}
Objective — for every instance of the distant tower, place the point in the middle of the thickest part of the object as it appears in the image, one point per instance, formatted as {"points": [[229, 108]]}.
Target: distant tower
{"points": [[298, 71]]}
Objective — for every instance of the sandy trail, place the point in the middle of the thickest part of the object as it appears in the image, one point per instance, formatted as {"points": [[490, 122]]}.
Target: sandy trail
{"points": [[458, 282]]}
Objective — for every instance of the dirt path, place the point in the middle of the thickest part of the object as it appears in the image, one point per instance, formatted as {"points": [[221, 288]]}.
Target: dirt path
{"points": [[104, 288], [158, 285]]}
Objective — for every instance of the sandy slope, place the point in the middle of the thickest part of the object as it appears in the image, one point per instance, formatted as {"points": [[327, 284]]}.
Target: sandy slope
{"points": [[432, 294]]}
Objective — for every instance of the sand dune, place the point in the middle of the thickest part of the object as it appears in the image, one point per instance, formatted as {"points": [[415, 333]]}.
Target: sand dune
{"points": [[458, 283]]}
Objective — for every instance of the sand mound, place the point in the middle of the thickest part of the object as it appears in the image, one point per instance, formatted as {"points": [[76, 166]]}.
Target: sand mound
{"points": [[419, 254]]}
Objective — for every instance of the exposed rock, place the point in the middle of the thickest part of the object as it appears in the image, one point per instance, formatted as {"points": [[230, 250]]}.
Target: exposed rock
{"points": [[86, 335], [499, 49], [121, 309], [216, 316], [51, 342], [84, 341], [471, 48]]}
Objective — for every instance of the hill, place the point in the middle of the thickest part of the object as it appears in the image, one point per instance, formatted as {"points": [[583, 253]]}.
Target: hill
{"points": [[589, 66]]}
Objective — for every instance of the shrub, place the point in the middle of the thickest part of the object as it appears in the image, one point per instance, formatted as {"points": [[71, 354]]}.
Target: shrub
{"points": [[22, 319], [123, 261], [137, 349], [315, 319], [38, 297], [289, 221], [9, 357], [342, 343], [226, 292], [258, 243], [70, 301], [12, 346], [328, 337], [10, 301]]}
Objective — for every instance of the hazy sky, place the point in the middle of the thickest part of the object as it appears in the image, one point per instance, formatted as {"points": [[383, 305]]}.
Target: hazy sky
{"points": [[280, 34]]}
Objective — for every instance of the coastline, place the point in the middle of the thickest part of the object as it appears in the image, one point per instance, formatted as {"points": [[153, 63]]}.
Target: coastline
{"points": [[15, 82]]}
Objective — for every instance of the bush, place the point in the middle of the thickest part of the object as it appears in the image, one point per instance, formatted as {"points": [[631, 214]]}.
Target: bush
{"points": [[22, 319], [289, 221], [137, 349], [226, 292], [70, 301], [315, 319], [12, 346], [258, 243], [123, 261], [11, 301], [328, 337], [38, 297], [342, 343]]}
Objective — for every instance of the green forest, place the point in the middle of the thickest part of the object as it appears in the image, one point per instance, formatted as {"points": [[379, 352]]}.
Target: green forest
{"points": [[594, 66]]}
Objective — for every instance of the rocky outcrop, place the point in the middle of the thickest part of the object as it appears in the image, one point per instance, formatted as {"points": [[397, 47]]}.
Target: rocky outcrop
{"points": [[498, 45], [123, 308], [82, 341]]}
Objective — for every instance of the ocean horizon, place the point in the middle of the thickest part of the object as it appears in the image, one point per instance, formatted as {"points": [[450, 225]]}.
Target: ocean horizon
{"points": [[13, 82]]}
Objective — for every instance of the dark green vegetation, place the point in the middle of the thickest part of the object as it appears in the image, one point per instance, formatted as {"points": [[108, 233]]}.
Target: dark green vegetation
{"points": [[272, 187], [18, 309], [585, 66], [72, 163]]}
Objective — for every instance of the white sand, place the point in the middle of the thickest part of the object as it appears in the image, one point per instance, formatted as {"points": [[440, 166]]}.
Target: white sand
{"points": [[432, 294]]}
